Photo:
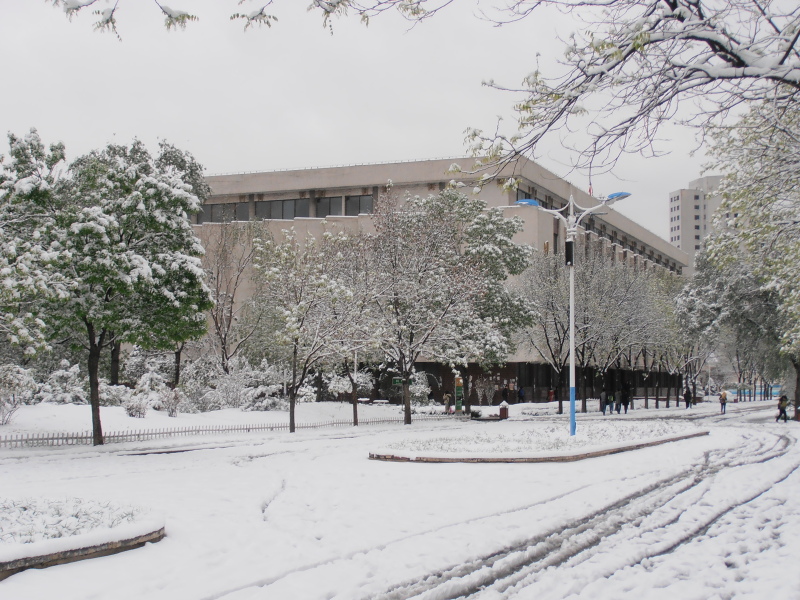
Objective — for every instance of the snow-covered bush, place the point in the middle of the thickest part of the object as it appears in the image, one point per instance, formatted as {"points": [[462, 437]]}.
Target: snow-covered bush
{"points": [[113, 395], [244, 386], [172, 400], [16, 388], [136, 406], [306, 392], [150, 392], [267, 398], [36, 519], [64, 386], [197, 378], [140, 361], [419, 388], [264, 389]]}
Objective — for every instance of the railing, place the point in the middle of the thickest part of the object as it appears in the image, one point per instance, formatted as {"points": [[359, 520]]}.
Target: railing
{"points": [[85, 437]]}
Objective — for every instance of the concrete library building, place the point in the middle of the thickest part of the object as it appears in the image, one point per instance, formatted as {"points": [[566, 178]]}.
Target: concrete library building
{"points": [[311, 200]]}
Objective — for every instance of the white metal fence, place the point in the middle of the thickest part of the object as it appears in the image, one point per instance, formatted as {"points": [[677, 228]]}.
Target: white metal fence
{"points": [[85, 437]]}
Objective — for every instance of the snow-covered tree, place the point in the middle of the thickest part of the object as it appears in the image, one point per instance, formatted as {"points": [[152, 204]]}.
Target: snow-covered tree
{"points": [[311, 309], [228, 264], [128, 262], [613, 312], [16, 388], [27, 250], [440, 259], [758, 223]]}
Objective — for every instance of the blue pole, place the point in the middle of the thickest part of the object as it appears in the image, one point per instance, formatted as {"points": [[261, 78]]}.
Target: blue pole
{"points": [[572, 424]]}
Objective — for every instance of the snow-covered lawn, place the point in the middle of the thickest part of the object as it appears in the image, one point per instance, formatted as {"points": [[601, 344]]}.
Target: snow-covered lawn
{"points": [[308, 516]]}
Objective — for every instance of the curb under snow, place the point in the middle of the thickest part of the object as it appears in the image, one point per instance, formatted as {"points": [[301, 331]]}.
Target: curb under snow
{"points": [[48, 553], [529, 458]]}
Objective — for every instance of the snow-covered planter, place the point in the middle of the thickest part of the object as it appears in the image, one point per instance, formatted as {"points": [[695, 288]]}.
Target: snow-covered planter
{"points": [[36, 532], [539, 441]]}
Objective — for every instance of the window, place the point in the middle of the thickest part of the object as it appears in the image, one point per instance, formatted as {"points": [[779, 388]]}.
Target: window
{"points": [[301, 207], [697, 217], [696, 247], [221, 213], [697, 237], [356, 205], [282, 209], [243, 211], [329, 206], [697, 207], [696, 197], [697, 226], [523, 195]]}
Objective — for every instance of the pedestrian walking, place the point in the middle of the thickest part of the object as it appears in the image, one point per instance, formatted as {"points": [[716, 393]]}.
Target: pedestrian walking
{"points": [[783, 403], [687, 397], [618, 400], [626, 399], [521, 395], [504, 394], [723, 401], [603, 400], [446, 400]]}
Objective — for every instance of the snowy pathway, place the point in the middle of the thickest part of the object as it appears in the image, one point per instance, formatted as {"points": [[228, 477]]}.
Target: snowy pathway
{"points": [[307, 516]]}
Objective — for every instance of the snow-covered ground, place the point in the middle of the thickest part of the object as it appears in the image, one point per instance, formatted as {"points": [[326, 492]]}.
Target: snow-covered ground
{"points": [[307, 515]]}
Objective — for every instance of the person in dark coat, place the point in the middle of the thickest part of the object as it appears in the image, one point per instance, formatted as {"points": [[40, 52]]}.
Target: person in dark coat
{"points": [[687, 397], [504, 394], [783, 403], [603, 400], [723, 401], [625, 398], [521, 395]]}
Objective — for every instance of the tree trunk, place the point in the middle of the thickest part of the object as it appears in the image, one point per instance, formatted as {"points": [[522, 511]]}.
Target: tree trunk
{"points": [[407, 399], [658, 385], [293, 390], [583, 395], [176, 376], [353, 393], [796, 365], [95, 348], [354, 399], [465, 388], [116, 348]]}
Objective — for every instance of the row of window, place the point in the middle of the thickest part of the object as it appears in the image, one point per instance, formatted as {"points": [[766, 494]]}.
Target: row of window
{"points": [[286, 209]]}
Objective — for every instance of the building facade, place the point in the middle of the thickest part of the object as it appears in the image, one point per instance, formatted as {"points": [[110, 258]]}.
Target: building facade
{"points": [[314, 200], [691, 211]]}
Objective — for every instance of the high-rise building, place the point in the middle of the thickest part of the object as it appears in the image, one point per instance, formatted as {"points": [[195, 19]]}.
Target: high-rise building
{"points": [[691, 211]]}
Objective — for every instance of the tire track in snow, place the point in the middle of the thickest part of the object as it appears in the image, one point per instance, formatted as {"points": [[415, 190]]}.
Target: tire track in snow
{"points": [[653, 517]]}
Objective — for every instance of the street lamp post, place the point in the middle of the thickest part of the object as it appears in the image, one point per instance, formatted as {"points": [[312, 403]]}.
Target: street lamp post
{"points": [[571, 222]]}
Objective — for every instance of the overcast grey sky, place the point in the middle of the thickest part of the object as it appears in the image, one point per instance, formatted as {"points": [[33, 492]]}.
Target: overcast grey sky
{"points": [[293, 95]]}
